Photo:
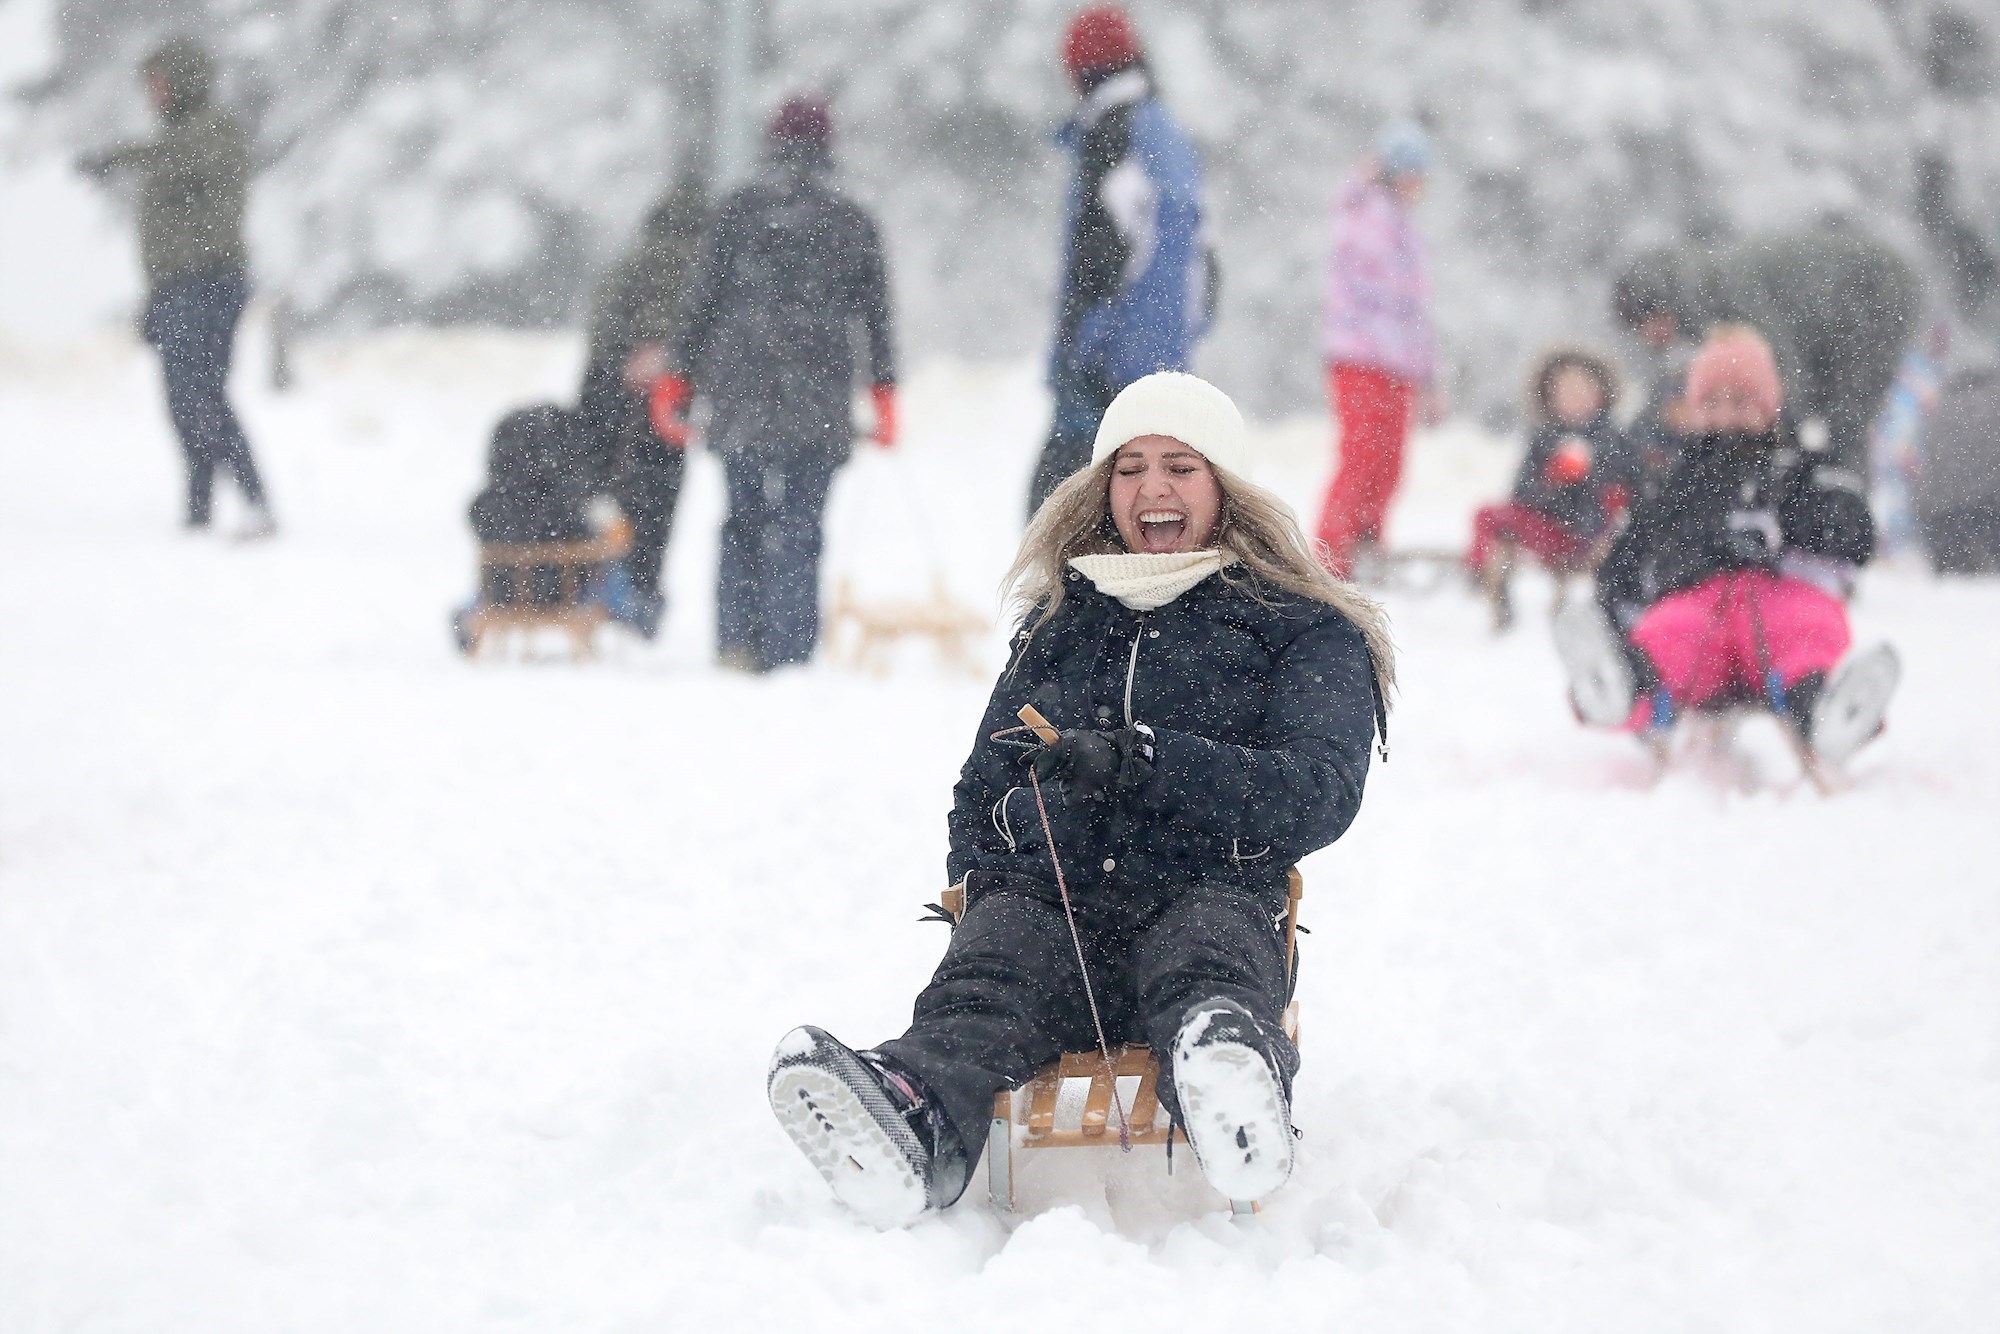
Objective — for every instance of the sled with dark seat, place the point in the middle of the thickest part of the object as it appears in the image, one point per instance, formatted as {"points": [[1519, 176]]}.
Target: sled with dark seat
{"points": [[548, 585], [1030, 1117]]}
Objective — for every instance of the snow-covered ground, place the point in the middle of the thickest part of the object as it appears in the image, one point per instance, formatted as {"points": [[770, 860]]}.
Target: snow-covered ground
{"points": [[345, 985]]}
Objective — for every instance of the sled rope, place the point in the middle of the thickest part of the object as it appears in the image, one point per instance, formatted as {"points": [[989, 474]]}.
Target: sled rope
{"points": [[1034, 722]]}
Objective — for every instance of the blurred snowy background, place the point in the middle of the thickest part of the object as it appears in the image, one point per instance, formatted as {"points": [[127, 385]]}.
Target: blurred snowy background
{"points": [[446, 162]]}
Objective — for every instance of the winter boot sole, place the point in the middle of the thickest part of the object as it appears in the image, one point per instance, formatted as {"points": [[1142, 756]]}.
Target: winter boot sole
{"points": [[834, 1109], [1851, 709], [1600, 680], [1234, 1113]]}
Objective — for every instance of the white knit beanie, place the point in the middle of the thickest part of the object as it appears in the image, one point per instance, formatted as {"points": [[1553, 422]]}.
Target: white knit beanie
{"points": [[1185, 407]]}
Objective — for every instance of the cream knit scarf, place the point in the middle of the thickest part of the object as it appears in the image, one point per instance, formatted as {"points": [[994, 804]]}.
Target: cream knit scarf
{"points": [[1144, 580]]}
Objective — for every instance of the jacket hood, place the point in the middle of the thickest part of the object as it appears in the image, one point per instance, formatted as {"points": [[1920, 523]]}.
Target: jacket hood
{"points": [[189, 71], [1590, 363]]}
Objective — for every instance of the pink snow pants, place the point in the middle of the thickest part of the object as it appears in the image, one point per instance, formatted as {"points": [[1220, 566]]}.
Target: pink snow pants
{"points": [[1704, 641]]}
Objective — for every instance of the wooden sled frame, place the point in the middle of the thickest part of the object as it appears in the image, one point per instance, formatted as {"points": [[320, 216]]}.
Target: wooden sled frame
{"points": [[569, 613], [878, 626], [1025, 1118]]}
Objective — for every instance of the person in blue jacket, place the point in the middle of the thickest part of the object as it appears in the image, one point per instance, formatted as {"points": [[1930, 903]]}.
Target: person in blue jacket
{"points": [[1215, 693], [1138, 277]]}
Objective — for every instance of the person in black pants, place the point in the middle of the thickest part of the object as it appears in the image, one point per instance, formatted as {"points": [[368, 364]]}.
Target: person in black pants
{"points": [[194, 177], [1215, 693]]}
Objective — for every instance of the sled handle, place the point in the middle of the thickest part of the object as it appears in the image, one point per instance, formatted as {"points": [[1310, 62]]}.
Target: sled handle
{"points": [[1039, 725]]}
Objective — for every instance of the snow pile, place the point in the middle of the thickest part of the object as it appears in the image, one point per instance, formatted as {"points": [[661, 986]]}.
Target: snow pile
{"points": [[480, 162], [345, 985]]}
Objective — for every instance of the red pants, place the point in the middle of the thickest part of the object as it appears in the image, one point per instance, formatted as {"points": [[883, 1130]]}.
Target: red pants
{"points": [[1554, 545], [1717, 639], [1373, 407]]}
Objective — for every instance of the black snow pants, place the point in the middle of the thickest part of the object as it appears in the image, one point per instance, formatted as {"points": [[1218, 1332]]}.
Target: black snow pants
{"points": [[1007, 999], [642, 472], [192, 321]]}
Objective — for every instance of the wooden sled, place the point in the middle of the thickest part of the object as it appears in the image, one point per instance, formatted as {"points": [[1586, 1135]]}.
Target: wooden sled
{"points": [[863, 633], [1706, 737], [1027, 1118], [1413, 570], [570, 564]]}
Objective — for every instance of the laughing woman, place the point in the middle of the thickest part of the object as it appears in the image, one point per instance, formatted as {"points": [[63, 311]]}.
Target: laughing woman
{"points": [[1217, 693]]}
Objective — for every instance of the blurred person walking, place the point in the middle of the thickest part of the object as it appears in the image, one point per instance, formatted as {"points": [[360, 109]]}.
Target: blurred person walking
{"points": [[789, 272], [1381, 347], [193, 180], [1139, 280], [634, 318]]}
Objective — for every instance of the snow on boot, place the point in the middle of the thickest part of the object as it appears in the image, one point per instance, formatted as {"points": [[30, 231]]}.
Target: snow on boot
{"points": [[876, 1138], [1231, 1103], [1849, 711], [1600, 679], [257, 526]]}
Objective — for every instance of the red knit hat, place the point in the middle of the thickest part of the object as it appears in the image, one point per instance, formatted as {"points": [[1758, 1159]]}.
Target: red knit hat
{"points": [[1736, 358], [1099, 38], [803, 119]]}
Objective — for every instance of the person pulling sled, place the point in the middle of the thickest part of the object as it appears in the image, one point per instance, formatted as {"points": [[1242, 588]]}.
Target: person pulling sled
{"points": [[1216, 694], [1728, 585]]}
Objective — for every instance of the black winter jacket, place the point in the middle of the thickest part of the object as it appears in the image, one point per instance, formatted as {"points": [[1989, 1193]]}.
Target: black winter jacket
{"points": [[1263, 716], [1579, 507], [790, 271], [1719, 487]]}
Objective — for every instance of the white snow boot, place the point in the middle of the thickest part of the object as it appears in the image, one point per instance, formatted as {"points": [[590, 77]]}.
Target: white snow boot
{"points": [[1232, 1104], [1593, 656], [879, 1141], [1849, 712]]}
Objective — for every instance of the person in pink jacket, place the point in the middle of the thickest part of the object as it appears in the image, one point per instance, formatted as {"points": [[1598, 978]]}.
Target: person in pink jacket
{"points": [[1381, 349]]}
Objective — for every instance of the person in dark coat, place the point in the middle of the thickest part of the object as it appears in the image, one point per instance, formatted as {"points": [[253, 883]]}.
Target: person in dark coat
{"points": [[1958, 486], [194, 177], [790, 271], [1576, 477], [1729, 584], [634, 317], [1836, 306], [1217, 693], [1139, 281]]}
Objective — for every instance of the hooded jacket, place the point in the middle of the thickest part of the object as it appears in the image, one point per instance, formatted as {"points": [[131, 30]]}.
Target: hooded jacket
{"points": [[194, 174], [1138, 281], [1263, 714], [1378, 287]]}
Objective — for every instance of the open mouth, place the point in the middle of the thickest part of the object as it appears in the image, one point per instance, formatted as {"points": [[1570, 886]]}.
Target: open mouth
{"points": [[1161, 530]]}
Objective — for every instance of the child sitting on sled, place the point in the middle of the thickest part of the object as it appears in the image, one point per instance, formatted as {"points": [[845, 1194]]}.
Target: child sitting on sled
{"points": [[1216, 693], [1728, 585], [534, 493], [1575, 480]]}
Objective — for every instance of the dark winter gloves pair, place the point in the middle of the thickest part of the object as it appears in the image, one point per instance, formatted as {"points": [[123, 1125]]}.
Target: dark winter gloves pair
{"points": [[1097, 765]]}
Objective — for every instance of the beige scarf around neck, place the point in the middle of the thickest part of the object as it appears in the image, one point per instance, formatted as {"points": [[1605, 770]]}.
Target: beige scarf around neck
{"points": [[1146, 580]]}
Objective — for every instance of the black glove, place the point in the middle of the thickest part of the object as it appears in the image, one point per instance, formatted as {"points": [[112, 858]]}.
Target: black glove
{"points": [[1096, 764], [1752, 539]]}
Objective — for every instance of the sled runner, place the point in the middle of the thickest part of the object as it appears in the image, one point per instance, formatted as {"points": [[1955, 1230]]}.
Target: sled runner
{"points": [[548, 583], [1411, 570], [1031, 1117]]}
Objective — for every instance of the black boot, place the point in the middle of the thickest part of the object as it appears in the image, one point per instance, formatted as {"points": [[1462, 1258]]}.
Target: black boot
{"points": [[1232, 1101], [873, 1131]]}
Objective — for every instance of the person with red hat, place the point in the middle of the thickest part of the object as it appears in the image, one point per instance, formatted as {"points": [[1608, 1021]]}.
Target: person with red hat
{"points": [[1138, 277], [791, 270], [1729, 582]]}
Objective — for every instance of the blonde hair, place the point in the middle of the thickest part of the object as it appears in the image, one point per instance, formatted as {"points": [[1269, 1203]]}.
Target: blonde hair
{"points": [[1254, 526]]}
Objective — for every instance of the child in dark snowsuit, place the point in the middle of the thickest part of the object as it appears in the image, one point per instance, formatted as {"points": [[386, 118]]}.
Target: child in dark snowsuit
{"points": [[1728, 584], [1576, 478], [1216, 693], [534, 493]]}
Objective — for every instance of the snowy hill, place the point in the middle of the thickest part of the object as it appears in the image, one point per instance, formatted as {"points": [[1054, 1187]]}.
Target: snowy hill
{"points": [[453, 162], [347, 986]]}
